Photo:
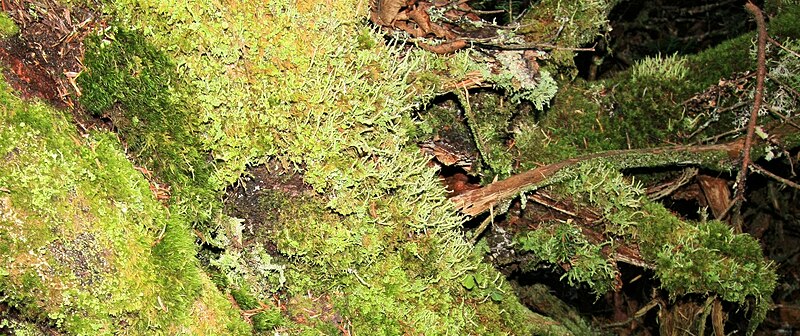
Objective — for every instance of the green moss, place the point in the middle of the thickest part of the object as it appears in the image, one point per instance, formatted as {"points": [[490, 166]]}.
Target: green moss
{"points": [[785, 23], [669, 68], [687, 257], [339, 116], [7, 26], [376, 231], [707, 258], [569, 24], [136, 85], [83, 234], [488, 119]]}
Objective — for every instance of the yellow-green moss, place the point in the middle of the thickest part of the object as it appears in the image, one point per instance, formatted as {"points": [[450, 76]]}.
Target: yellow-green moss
{"points": [[687, 257], [306, 84], [7, 26], [86, 247]]}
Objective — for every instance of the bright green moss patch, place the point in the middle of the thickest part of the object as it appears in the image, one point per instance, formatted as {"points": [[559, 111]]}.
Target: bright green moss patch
{"points": [[706, 258], [86, 247], [136, 85], [7, 26]]}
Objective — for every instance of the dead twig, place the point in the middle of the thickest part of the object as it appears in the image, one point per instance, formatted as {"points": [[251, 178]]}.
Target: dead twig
{"points": [[762, 171], [526, 46], [639, 314], [478, 201], [771, 40], [552, 205], [761, 74]]}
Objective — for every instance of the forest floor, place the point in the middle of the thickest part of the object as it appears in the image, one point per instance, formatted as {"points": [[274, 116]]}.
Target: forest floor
{"points": [[43, 61]]}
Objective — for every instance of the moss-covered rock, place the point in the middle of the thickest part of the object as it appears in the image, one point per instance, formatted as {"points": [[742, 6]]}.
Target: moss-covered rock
{"points": [[86, 247]]}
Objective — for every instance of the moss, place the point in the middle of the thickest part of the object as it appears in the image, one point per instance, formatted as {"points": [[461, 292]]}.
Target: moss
{"points": [[687, 257], [339, 116], [707, 258], [136, 84], [784, 24], [7, 26], [79, 226], [569, 24], [376, 232], [15, 327]]}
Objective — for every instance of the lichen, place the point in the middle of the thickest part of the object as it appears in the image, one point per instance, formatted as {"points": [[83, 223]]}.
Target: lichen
{"points": [[341, 117], [687, 257]]}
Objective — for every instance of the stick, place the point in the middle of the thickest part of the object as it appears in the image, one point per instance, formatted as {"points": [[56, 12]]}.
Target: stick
{"points": [[761, 73]]}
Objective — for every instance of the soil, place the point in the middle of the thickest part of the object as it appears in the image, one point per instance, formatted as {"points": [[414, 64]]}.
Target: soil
{"points": [[44, 59], [253, 198]]}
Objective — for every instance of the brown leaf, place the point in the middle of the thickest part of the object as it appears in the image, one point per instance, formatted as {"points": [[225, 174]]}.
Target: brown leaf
{"points": [[387, 10], [717, 193], [444, 48], [420, 16]]}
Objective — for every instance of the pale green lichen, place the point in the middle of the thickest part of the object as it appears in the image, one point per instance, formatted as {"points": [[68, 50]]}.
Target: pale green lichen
{"points": [[564, 244], [521, 83], [669, 68], [341, 117]]}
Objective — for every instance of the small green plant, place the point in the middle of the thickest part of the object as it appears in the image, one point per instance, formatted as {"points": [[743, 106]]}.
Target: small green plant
{"points": [[564, 244], [84, 244], [658, 68]]}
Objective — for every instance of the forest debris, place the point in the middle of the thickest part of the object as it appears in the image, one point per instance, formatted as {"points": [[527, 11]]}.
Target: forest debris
{"points": [[763, 171], [664, 189], [440, 35], [761, 74], [444, 48], [717, 194], [475, 202]]}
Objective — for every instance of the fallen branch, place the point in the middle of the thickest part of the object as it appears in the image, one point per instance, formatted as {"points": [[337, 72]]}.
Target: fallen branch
{"points": [[762, 171], [478, 201]]}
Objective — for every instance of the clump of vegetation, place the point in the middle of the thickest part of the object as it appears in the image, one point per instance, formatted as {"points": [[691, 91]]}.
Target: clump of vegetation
{"points": [[688, 257], [563, 243], [707, 257], [203, 90], [341, 118], [86, 247], [8, 27], [670, 68], [568, 24], [137, 85]]}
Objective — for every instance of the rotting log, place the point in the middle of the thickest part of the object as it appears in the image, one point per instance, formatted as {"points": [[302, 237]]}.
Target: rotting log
{"points": [[478, 201]]}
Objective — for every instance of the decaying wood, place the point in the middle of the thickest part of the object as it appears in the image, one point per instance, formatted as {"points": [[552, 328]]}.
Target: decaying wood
{"points": [[478, 201], [717, 194]]}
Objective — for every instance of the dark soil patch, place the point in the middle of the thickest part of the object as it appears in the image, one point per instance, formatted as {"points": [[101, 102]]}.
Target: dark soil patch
{"points": [[45, 58], [12, 322], [257, 198]]}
